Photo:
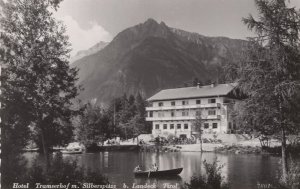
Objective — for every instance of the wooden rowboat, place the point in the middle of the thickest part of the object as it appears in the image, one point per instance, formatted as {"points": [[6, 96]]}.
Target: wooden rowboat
{"points": [[160, 173]]}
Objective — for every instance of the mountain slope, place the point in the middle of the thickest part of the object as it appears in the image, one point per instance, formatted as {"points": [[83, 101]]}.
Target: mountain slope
{"points": [[96, 48], [149, 57]]}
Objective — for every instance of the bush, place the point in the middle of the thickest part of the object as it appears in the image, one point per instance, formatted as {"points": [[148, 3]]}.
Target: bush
{"points": [[293, 177], [212, 180], [13, 169], [63, 171]]}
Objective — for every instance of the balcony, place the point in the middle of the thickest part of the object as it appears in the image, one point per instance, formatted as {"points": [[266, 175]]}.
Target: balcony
{"points": [[179, 107], [177, 118]]}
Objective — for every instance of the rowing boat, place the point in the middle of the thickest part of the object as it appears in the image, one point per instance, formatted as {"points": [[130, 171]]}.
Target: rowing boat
{"points": [[160, 173]]}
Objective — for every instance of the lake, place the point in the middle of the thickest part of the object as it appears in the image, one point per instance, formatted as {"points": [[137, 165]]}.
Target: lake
{"points": [[241, 171]]}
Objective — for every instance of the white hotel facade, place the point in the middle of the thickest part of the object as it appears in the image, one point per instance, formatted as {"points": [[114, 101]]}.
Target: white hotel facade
{"points": [[172, 111]]}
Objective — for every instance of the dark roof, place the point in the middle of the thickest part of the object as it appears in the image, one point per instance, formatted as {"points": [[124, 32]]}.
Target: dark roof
{"points": [[194, 92]]}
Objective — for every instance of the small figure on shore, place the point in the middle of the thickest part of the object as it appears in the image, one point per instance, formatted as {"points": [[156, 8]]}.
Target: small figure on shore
{"points": [[137, 168], [155, 167]]}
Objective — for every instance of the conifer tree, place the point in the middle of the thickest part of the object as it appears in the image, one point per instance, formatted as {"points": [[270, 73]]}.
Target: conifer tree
{"points": [[269, 72]]}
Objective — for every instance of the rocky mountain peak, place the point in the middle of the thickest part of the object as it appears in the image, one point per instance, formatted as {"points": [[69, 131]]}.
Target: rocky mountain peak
{"points": [[151, 56], [151, 28], [150, 21]]}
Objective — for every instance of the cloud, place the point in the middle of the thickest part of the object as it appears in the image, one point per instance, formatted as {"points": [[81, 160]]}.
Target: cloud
{"points": [[82, 39]]}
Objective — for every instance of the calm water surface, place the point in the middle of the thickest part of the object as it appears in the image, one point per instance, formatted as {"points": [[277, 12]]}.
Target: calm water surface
{"points": [[241, 171]]}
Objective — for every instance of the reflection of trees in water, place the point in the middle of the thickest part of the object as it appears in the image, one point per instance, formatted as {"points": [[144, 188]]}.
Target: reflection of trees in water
{"points": [[192, 162], [242, 171], [251, 169], [106, 159]]}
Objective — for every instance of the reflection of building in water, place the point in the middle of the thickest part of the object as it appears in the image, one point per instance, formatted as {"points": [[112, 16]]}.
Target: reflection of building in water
{"points": [[106, 159], [172, 111], [193, 164]]}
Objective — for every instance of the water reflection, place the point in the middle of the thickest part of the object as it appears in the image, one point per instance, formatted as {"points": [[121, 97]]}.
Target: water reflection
{"points": [[241, 171], [158, 182]]}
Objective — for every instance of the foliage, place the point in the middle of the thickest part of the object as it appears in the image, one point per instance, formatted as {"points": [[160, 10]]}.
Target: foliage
{"points": [[293, 177], [92, 125], [269, 73], [294, 139], [13, 168], [197, 125], [39, 84], [63, 171], [198, 122], [130, 113], [212, 180], [125, 117]]}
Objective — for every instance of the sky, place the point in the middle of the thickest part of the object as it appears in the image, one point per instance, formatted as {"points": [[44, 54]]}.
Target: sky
{"points": [[91, 21]]}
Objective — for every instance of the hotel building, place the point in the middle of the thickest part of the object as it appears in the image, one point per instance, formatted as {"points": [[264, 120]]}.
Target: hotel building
{"points": [[173, 111]]}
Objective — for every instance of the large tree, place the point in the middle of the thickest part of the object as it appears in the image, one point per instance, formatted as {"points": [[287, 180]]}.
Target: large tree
{"points": [[37, 83], [94, 125], [269, 72], [197, 125]]}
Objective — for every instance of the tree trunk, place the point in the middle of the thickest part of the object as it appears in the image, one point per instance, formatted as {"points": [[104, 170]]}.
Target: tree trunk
{"points": [[201, 145], [284, 157], [201, 164], [45, 149], [200, 138]]}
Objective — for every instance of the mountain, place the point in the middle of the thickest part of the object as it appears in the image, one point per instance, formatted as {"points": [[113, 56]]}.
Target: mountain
{"points": [[99, 46], [152, 56]]}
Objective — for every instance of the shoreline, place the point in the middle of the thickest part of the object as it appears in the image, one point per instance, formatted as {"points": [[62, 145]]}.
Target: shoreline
{"points": [[221, 148]]}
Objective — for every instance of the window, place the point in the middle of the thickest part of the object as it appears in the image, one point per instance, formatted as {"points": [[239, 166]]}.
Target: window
{"points": [[171, 126], [211, 112], [160, 104], [198, 101], [173, 103], [212, 100], [161, 114], [150, 114], [215, 125], [185, 102], [178, 126], [157, 126], [172, 113], [185, 113], [234, 126], [206, 125], [186, 126], [165, 126], [198, 112]]}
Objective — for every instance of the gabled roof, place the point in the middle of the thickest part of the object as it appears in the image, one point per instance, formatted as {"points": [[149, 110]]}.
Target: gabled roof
{"points": [[194, 92]]}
